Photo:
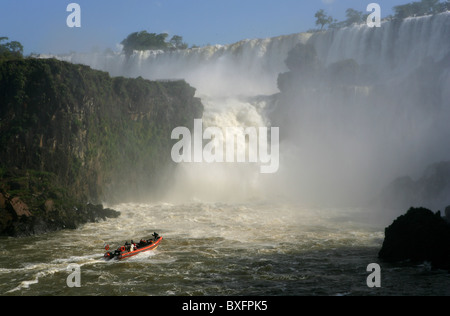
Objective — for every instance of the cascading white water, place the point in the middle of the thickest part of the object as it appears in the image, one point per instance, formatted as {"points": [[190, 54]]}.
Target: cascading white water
{"points": [[396, 49], [246, 68], [396, 122], [225, 77], [394, 132]]}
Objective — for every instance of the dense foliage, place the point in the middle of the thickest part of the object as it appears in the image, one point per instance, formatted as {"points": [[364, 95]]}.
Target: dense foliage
{"points": [[10, 50], [141, 41]]}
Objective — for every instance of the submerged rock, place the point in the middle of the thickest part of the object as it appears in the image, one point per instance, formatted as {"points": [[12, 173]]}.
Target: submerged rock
{"points": [[418, 236]]}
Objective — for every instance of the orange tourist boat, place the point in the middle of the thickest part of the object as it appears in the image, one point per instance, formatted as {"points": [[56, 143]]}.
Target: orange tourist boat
{"points": [[132, 249]]}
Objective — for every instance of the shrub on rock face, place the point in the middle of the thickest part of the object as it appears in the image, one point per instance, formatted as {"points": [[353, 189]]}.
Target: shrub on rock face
{"points": [[418, 236]]}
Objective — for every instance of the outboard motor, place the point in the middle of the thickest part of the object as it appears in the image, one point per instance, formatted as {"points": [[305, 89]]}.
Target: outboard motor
{"points": [[109, 255]]}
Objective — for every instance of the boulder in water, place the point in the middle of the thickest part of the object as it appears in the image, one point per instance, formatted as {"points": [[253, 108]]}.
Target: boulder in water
{"points": [[419, 236]]}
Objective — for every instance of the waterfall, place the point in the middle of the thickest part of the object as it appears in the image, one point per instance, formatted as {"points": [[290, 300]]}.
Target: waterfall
{"points": [[246, 68], [226, 77], [395, 49], [394, 122]]}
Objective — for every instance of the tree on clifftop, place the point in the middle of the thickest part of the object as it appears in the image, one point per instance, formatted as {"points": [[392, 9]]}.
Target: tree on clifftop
{"points": [[420, 8], [144, 41], [354, 17], [323, 19], [10, 50], [141, 41], [177, 42]]}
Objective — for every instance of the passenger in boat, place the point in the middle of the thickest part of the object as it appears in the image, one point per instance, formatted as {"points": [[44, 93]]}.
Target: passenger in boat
{"points": [[132, 246]]}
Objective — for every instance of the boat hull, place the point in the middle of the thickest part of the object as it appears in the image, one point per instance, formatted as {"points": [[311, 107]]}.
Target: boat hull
{"points": [[153, 246], [127, 254]]}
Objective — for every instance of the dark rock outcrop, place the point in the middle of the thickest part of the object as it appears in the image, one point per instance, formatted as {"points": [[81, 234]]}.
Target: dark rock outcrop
{"points": [[418, 236], [34, 203], [67, 218]]}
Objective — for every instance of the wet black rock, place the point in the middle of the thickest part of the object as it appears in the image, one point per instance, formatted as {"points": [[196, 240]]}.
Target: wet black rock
{"points": [[38, 222], [32, 202], [419, 236]]}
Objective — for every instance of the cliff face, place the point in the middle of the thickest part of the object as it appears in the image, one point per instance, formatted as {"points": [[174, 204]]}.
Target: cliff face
{"points": [[431, 189], [103, 138]]}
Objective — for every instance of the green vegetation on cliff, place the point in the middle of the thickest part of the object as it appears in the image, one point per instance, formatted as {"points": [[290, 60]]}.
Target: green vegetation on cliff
{"points": [[143, 40], [10, 50], [101, 138]]}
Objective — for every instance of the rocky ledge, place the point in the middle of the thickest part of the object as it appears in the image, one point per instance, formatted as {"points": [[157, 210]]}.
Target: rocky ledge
{"points": [[32, 202], [419, 236]]}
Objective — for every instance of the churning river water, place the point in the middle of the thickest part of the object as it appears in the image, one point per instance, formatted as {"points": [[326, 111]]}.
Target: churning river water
{"points": [[215, 249]]}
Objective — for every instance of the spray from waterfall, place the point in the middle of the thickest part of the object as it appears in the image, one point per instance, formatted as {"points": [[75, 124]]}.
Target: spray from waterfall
{"points": [[375, 108]]}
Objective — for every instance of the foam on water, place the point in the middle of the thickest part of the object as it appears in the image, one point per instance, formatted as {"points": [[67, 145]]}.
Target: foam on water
{"points": [[193, 233], [214, 249]]}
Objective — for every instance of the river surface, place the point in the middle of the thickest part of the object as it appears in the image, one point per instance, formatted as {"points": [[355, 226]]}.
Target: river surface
{"points": [[215, 249]]}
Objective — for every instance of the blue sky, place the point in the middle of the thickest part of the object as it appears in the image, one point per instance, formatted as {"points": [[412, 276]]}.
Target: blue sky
{"points": [[40, 25]]}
